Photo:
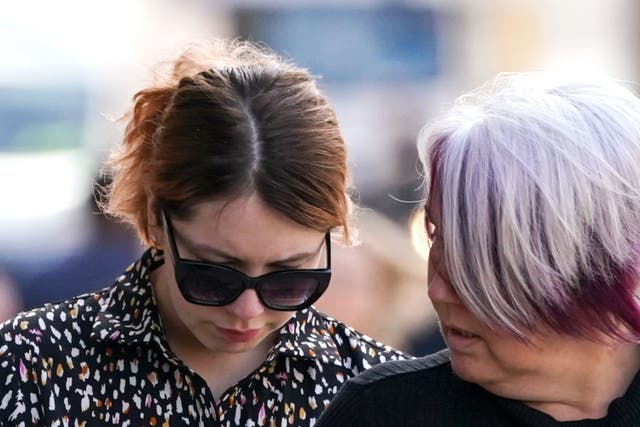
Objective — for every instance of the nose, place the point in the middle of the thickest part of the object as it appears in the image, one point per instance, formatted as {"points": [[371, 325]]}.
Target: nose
{"points": [[246, 306], [441, 290]]}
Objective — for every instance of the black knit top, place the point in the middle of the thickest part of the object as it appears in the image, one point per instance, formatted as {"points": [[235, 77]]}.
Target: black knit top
{"points": [[425, 392]]}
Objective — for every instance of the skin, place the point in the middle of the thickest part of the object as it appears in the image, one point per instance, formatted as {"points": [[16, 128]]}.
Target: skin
{"points": [[246, 234], [568, 378], [10, 297]]}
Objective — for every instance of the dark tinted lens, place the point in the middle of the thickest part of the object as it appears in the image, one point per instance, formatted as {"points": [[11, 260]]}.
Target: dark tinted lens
{"points": [[288, 291], [212, 286]]}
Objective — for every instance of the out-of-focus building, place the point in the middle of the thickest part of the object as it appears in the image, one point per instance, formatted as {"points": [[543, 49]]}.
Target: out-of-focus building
{"points": [[68, 72]]}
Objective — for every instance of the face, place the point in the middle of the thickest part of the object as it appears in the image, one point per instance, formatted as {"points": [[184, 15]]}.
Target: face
{"points": [[246, 235], [492, 358]]}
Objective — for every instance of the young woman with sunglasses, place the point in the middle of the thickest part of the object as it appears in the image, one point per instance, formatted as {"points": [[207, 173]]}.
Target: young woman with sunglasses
{"points": [[233, 172]]}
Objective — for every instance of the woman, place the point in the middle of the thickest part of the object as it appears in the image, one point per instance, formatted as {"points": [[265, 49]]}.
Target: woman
{"points": [[533, 211], [233, 172]]}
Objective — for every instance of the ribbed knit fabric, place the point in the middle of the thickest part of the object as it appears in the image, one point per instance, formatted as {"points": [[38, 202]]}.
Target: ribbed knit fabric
{"points": [[425, 393]]}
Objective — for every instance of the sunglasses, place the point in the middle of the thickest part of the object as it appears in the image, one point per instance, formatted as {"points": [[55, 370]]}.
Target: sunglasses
{"points": [[212, 284]]}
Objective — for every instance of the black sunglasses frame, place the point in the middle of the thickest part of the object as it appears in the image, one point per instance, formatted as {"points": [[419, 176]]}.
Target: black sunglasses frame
{"points": [[185, 267]]}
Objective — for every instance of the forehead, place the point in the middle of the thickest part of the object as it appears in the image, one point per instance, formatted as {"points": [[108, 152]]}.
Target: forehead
{"points": [[246, 225], [245, 212]]}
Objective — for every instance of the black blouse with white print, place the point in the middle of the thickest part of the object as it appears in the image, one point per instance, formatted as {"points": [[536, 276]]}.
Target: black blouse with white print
{"points": [[102, 359]]}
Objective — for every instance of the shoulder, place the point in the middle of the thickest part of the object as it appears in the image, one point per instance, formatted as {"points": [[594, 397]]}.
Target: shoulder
{"points": [[427, 385], [351, 343], [425, 369], [403, 392], [51, 324], [29, 344]]}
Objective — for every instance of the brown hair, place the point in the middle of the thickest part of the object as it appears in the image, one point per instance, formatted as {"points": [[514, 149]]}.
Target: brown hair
{"points": [[231, 118]]}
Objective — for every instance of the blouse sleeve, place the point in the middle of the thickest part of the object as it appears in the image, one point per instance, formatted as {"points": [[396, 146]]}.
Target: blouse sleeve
{"points": [[20, 403]]}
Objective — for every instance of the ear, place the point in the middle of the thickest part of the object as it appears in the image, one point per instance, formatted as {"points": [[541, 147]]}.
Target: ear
{"points": [[154, 223]]}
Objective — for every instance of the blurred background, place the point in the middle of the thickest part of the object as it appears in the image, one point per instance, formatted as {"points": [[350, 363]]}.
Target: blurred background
{"points": [[70, 67]]}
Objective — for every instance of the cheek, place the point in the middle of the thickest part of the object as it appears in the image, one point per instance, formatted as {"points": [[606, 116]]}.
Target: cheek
{"points": [[435, 262], [511, 353], [432, 278], [318, 261], [190, 314], [438, 287], [432, 274], [177, 300], [277, 319]]}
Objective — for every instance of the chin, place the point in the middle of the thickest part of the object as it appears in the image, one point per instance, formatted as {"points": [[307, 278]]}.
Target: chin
{"points": [[470, 368], [238, 348]]}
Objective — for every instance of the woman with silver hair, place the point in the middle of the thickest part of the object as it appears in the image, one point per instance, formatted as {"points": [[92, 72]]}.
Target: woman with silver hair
{"points": [[533, 212]]}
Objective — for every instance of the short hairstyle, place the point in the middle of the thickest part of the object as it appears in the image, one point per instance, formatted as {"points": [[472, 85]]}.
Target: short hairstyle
{"points": [[539, 182], [231, 118]]}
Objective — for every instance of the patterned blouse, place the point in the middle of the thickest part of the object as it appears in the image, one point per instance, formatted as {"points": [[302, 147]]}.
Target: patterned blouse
{"points": [[103, 359]]}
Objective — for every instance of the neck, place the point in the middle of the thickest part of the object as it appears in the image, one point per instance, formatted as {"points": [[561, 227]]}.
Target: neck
{"points": [[585, 384], [219, 369]]}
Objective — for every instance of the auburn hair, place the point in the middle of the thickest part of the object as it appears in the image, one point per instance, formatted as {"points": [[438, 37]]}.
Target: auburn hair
{"points": [[231, 118]]}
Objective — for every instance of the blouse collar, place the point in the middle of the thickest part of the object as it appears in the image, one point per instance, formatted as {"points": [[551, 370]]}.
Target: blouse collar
{"points": [[129, 316]]}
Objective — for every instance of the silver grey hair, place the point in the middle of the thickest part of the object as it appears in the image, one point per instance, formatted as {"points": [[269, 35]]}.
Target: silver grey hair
{"points": [[540, 194]]}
